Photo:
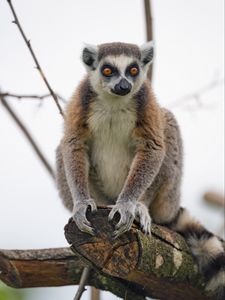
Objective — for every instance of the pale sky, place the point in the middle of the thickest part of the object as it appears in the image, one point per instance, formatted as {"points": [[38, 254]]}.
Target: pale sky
{"points": [[189, 40]]}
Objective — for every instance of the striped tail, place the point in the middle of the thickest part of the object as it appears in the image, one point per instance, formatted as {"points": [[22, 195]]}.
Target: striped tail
{"points": [[206, 248]]}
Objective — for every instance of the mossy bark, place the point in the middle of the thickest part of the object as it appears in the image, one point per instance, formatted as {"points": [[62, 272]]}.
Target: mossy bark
{"points": [[132, 267], [160, 266]]}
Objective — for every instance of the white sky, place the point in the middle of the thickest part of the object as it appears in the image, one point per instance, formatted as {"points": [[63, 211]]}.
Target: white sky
{"points": [[189, 39]]}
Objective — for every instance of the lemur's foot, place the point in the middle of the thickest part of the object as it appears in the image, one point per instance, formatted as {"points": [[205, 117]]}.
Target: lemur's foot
{"points": [[79, 215], [142, 215], [126, 209]]}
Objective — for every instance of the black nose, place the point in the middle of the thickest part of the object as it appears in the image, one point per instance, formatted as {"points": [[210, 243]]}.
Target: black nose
{"points": [[122, 88]]}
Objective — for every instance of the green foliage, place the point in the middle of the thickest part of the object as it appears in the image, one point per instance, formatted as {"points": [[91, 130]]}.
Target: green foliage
{"points": [[7, 293]]}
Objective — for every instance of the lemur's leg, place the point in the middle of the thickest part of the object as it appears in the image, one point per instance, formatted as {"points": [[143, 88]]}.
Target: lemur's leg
{"points": [[61, 181], [165, 209], [206, 248]]}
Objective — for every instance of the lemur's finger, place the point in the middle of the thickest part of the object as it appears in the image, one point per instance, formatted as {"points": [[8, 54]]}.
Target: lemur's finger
{"points": [[112, 213], [119, 232], [123, 228], [81, 218], [93, 206], [125, 222], [147, 228], [122, 221], [85, 228]]}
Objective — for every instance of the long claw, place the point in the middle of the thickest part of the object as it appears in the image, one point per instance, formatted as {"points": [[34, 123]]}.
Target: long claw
{"points": [[122, 229], [121, 222], [111, 214], [85, 228], [93, 206]]}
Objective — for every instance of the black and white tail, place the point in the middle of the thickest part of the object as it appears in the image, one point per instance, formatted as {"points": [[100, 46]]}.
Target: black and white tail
{"points": [[206, 248]]}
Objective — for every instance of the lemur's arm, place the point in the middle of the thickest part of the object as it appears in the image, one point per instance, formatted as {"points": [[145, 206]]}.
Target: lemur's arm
{"points": [[76, 162], [145, 166], [76, 169]]}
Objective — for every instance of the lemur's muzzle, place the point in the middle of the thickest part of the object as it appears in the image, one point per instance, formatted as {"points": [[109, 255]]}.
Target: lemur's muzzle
{"points": [[122, 88]]}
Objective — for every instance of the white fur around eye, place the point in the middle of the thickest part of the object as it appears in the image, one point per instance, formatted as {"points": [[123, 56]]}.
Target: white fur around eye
{"points": [[121, 62]]}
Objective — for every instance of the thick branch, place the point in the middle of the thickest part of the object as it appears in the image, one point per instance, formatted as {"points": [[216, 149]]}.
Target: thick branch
{"points": [[132, 266], [53, 267], [147, 263]]}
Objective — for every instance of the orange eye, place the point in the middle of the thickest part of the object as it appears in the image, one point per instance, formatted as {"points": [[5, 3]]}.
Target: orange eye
{"points": [[133, 71], [107, 71]]}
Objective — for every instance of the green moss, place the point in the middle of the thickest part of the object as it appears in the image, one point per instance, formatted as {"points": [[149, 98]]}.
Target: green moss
{"points": [[165, 260]]}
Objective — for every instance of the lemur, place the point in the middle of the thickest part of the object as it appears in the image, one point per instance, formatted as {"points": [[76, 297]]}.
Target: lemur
{"points": [[121, 148]]}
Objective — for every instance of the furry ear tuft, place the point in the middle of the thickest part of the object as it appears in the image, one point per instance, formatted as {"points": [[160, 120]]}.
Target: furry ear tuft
{"points": [[89, 55], [147, 52]]}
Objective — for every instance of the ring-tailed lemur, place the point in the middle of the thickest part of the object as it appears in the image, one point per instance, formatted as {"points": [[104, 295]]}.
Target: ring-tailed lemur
{"points": [[120, 147]]}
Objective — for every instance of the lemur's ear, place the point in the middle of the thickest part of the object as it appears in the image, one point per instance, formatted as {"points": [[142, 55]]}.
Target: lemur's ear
{"points": [[89, 55], [147, 51]]}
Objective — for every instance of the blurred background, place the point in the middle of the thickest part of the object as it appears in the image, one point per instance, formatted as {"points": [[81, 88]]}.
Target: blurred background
{"points": [[188, 79]]}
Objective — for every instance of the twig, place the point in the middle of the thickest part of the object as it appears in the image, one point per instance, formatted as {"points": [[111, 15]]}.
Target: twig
{"points": [[95, 293], [149, 29], [31, 96], [16, 21], [28, 136], [197, 95], [214, 198], [83, 282]]}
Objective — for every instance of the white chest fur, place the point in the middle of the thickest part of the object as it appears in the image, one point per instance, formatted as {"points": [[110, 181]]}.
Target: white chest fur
{"points": [[111, 152]]}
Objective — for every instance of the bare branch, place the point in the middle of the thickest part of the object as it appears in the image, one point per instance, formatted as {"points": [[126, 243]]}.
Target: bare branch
{"points": [[16, 21], [149, 29], [28, 136], [95, 294], [31, 96], [197, 95], [82, 283]]}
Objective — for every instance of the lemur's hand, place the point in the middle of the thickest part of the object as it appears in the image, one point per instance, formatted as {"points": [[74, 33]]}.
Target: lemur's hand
{"points": [[79, 215], [142, 215], [126, 209]]}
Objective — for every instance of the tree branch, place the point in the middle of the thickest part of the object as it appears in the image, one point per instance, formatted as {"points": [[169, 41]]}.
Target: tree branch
{"points": [[147, 263], [31, 96], [53, 267], [16, 21], [132, 267], [149, 30], [214, 198], [28, 136], [197, 95], [82, 283]]}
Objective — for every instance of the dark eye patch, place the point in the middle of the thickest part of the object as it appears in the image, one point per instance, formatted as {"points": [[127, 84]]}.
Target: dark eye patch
{"points": [[112, 68], [130, 67]]}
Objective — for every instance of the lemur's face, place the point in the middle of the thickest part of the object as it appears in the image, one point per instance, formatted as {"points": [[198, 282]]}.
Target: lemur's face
{"points": [[117, 69]]}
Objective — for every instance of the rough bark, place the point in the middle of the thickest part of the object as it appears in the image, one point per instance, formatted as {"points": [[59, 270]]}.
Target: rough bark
{"points": [[132, 266], [53, 267]]}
